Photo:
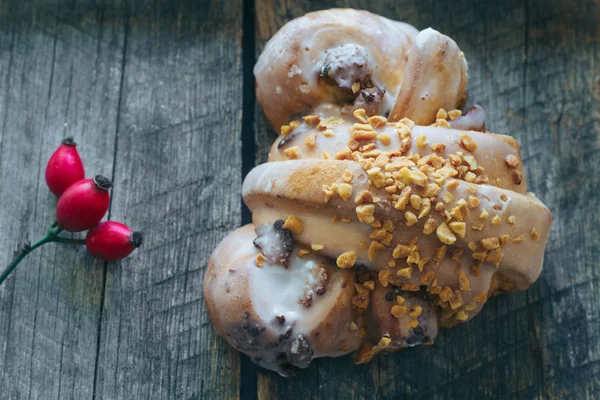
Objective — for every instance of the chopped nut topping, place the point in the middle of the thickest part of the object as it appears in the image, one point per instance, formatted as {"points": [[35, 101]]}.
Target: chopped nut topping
{"points": [[326, 155], [413, 258], [456, 301], [344, 154], [422, 141], [400, 300], [461, 316], [378, 234], [402, 251], [490, 243], [453, 114], [444, 234], [398, 311], [446, 294], [364, 134], [294, 224], [459, 228], [418, 178], [534, 234], [442, 123], [439, 254], [471, 306], [403, 199], [425, 208], [504, 240], [377, 121], [470, 177], [453, 184], [519, 239], [347, 176], [303, 252], [317, 247], [463, 281], [385, 139], [480, 298], [346, 260], [432, 190], [376, 176], [496, 220], [413, 324], [416, 311], [353, 326], [328, 133], [415, 201], [411, 218], [360, 115], [346, 220], [448, 197], [494, 256], [374, 249], [370, 285], [405, 272], [473, 202], [388, 225], [512, 161], [468, 143], [477, 225], [428, 277], [472, 246], [384, 341], [430, 226], [366, 213], [311, 140], [512, 220], [345, 191], [260, 260], [384, 277], [328, 191], [480, 255], [438, 147], [483, 214], [311, 119], [364, 196], [292, 152], [361, 300]]}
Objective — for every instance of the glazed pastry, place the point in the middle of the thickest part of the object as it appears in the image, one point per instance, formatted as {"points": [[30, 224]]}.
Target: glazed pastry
{"points": [[354, 59], [370, 233]]}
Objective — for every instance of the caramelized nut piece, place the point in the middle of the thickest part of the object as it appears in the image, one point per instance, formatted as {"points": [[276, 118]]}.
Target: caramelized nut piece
{"points": [[346, 260]]}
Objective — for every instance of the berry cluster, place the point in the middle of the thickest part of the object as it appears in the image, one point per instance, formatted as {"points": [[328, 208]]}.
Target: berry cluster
{"points": [[82, 203]]}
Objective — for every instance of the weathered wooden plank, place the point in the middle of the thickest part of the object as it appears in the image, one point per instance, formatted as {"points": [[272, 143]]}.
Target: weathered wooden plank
{"points": [[533, 67], [178, 178], [59, 74]]}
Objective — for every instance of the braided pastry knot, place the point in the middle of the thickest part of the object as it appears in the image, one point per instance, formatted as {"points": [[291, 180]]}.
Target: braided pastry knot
{"points": [[369, 233]]}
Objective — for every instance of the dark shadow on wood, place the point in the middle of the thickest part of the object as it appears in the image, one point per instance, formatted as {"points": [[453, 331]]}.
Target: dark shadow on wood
{"points": [[248, 379]]}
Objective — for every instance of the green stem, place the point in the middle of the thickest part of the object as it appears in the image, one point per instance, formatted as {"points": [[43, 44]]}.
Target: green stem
{"points": [[51, 236]]}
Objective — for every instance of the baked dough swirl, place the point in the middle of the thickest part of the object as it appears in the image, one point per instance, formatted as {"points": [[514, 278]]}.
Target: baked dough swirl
{"points": [[370, 232]]}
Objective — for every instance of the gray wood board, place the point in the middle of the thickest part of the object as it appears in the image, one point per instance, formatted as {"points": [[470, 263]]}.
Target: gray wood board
{"points": [[534, 68], [59, 76], [177, 177]]}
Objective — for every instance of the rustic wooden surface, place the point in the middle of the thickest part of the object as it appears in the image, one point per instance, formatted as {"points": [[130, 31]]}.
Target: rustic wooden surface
{"points": [[159, 95]]}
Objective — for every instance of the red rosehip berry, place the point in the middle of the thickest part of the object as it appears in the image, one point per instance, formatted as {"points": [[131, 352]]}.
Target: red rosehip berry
{"points": [[64, 167], [83, 204], [112, 241]]}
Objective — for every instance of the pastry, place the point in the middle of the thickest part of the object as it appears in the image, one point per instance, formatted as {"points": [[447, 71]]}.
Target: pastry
{"points": [[375, 223]]}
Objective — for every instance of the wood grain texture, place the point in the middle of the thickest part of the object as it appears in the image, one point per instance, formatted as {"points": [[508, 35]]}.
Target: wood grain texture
{"points": [[177, 177], [59, 74], [534, 68]]}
